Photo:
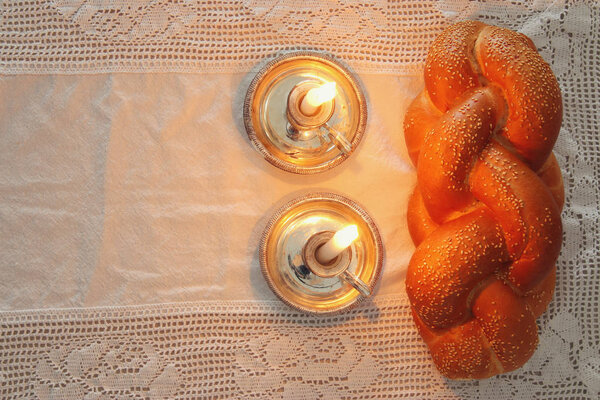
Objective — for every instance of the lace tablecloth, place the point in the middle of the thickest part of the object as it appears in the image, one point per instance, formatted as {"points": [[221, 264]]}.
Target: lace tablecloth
{"points": [[132, 203]]}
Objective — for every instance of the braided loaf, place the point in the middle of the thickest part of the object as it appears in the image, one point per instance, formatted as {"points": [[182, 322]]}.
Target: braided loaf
{"points": [[485, 215]]}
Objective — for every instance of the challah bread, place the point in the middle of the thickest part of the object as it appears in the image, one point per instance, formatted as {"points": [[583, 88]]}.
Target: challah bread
{"points": [[485, 214]]}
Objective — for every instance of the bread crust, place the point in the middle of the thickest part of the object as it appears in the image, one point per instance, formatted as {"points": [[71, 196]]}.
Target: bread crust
{"points": [[485, 214]]}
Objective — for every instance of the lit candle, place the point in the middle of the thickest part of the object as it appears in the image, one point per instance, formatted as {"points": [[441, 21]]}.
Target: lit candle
{"points": [[317, 96], [338, 243]]}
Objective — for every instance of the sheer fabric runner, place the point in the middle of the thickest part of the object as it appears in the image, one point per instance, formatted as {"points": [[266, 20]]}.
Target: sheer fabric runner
{"points": [[253, 348]]}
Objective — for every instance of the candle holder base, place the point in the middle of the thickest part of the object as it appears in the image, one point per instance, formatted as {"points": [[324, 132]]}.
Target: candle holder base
{"points": [[288, 254], [295, 142]]}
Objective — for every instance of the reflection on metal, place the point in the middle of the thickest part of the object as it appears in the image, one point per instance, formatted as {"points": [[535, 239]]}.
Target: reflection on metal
{"points": [[288, 138], [289, 243]]}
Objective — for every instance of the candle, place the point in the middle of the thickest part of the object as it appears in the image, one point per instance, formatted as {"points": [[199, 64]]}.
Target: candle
{"points": [[317, 96], [338, 243]]}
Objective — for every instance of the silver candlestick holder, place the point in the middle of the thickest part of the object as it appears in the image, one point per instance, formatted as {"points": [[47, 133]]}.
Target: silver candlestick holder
{"points": [[289, 254], [285, 133]]}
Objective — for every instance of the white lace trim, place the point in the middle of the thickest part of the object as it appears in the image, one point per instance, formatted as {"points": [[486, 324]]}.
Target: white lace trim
{"points": [[89, 36], [248, 349]]}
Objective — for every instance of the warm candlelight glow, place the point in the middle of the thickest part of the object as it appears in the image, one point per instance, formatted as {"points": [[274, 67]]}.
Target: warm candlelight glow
{"points": [[338, 243], [317, 96]]}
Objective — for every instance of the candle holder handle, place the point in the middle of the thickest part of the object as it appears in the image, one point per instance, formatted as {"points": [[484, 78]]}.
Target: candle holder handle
{"points": [[356, 283], [338, 139]]}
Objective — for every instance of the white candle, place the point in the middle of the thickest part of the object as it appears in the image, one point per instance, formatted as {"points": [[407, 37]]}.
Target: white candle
{"points": [[338, 243], [317, 96]]}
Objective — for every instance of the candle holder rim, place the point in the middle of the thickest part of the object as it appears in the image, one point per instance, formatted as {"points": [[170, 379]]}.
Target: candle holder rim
{"points": [[296, 202], [310, 55]]}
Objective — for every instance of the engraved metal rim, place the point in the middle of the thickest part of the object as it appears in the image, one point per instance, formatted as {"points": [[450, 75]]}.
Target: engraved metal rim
{"points": [[314, 56], [296, 202]]}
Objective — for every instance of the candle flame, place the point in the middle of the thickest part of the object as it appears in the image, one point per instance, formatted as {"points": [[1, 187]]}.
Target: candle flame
{"points": [[317, 96], [344, 237]]}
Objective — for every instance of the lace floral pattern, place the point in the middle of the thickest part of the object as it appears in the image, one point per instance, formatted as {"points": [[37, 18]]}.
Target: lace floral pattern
{"points": [[101, 369], [250, 350], [75, 36], [231, 350]]}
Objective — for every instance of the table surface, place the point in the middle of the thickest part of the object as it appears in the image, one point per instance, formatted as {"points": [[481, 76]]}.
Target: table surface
{"points": [[133, 202]]}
